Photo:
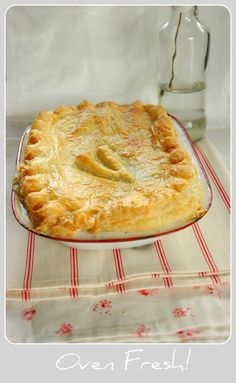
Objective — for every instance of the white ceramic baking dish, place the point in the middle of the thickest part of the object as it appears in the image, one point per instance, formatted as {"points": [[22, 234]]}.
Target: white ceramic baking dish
{"points": [[109, 240]]}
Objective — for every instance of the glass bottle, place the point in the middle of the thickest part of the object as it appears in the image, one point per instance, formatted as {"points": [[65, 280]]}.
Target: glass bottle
{"points": [[183, 55]]}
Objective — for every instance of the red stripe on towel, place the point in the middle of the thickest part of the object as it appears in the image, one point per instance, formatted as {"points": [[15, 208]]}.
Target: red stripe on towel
{"points": [[109, 284], [202, 273], [214, 177], [164, 263], [206, 252], [121, 263], [120, 288], [155, 275], [74, 275], [29, 265]]}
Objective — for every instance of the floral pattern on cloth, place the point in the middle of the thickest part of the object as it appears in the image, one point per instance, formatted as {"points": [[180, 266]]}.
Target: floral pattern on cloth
{"points": [[141, 330], [180, 312], [103, 307], [186, 335], [65, 329], [147, 292], [214, 290], [28, 314]]}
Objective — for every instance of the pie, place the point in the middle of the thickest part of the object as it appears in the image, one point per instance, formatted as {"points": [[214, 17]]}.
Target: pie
{"points": [[107, 168]]}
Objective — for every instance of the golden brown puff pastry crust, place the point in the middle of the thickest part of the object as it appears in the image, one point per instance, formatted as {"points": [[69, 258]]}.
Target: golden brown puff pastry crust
{"points": [[107, 168]]}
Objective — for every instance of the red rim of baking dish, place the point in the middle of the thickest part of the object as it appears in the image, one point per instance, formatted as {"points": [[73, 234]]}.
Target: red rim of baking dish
{"points": [[161, 234]]}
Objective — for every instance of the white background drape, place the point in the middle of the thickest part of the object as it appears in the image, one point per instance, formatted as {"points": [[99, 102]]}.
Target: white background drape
{"points": [[61, 55]]}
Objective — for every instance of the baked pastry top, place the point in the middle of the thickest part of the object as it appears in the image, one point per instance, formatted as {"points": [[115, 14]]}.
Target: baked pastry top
{"points": [[107, 168]]}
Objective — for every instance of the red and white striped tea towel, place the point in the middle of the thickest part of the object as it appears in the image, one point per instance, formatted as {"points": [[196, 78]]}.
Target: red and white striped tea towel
{"points": [[38, 268], [199, 314]]}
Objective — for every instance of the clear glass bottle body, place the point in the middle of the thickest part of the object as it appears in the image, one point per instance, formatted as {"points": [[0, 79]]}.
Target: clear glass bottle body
{"points": [[183, 55]]}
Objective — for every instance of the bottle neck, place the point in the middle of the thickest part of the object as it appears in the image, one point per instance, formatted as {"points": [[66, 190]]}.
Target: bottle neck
{"points": [[186, 13]]}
